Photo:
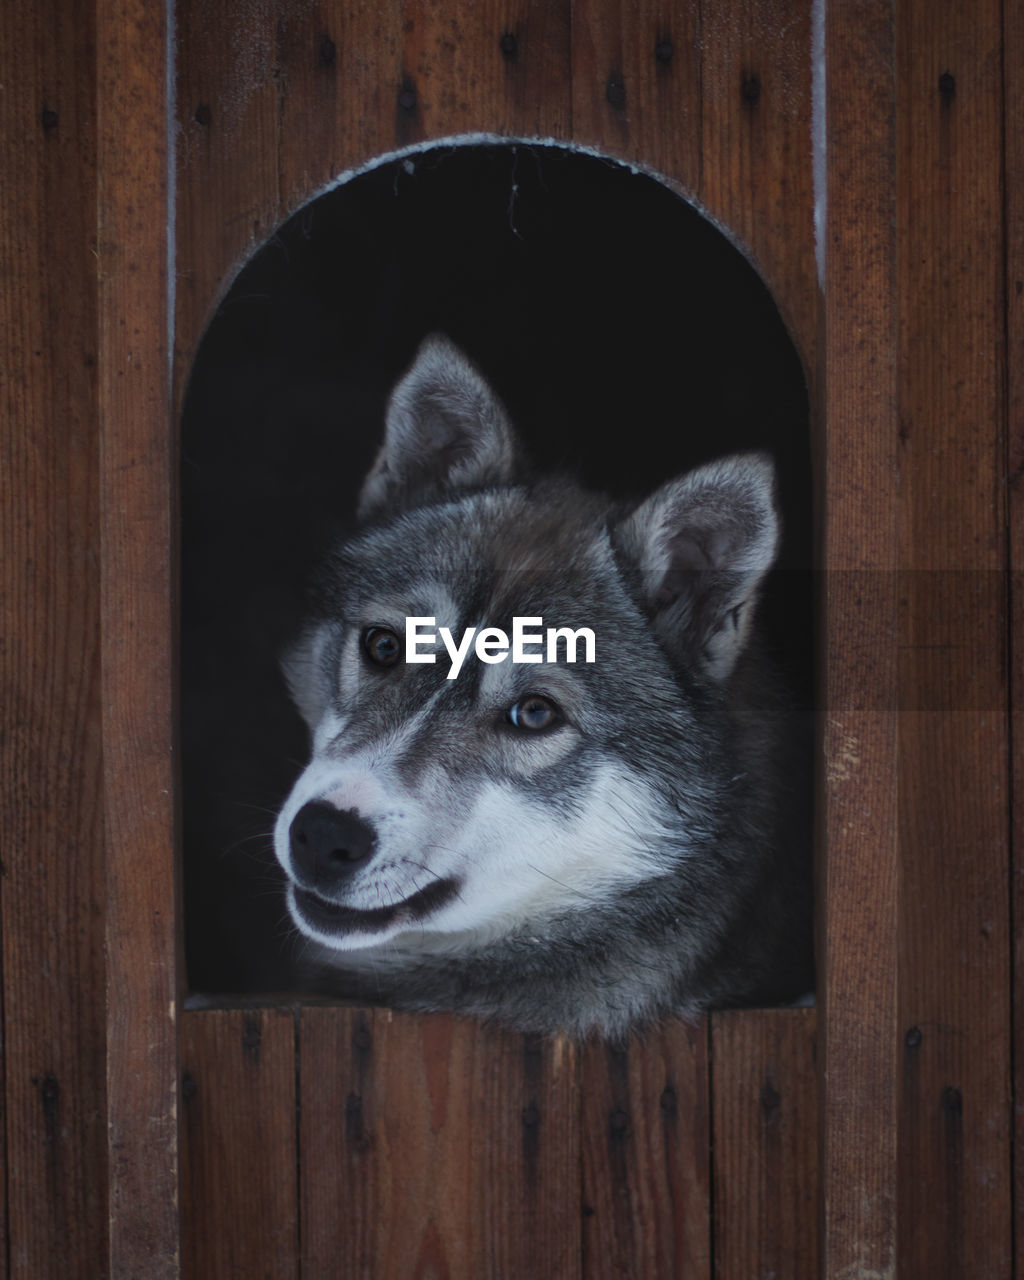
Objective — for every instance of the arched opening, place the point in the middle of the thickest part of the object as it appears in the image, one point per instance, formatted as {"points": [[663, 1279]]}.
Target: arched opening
{"points": [[630, 340]]}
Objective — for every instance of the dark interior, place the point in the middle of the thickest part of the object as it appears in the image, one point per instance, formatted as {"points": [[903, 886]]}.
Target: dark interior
{"points": [[629, 339]]}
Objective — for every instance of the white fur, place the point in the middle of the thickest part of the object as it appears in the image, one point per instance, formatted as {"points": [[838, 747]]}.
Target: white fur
{"points": [[516, 861]]}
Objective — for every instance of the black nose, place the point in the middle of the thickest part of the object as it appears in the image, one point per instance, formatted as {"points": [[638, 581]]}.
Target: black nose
{"points": [[328, 845]]}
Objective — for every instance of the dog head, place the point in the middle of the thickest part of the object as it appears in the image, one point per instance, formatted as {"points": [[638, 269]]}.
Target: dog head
{"points": [[435, 807]]}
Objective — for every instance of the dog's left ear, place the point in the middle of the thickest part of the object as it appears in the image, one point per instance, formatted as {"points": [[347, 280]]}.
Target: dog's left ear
{"points": [[445, 430], [301, 667], [703, 544]]}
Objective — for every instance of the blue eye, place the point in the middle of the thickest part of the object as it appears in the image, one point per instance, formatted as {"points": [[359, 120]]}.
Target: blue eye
{"points": [[381, 646], [533, 713]]}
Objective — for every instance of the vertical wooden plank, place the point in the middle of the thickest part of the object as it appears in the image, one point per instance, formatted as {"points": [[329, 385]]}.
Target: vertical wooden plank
{"points": [[364, 79], [239, 1157], [343, 66], [1013, 79], [858, 877], [954, 1011], [458, 78], [765, 1099], [274, 102], [636, 90], [52, 890], [135, 479], [720, 102], [717, 99], [646, 1158], [757, 174], [435, 1146], [228, 97]]}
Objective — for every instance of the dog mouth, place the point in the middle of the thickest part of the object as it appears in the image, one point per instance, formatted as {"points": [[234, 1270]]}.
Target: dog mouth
{"points": [[336, 921]]}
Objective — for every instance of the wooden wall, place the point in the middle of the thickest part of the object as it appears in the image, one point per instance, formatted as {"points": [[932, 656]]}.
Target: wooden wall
{"points": [[51, 896], [362, 1142], [433, 1146]]}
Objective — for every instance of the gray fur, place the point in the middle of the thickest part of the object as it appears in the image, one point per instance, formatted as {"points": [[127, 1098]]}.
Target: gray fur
{"points": [[648, 855]]}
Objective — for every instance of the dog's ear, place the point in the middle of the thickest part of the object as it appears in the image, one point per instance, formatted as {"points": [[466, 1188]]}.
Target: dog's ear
{"points": [[703, 543], [445, 430], [301, 665]]}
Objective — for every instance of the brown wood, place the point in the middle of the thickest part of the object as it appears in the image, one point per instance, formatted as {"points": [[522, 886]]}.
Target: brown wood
{"points": [[646, 1163], [344, 73], [435, 1146], [765, 1096], [914, 285], [52, 890], [239, 1144], [453, 76], [334, 107], [858, 862], [954, 1013], [500, 67], [636, 90], [227, 197], [273, 107], [718, 101], [136, 495], [1013, 73], [756, 175], [914, 1050]]}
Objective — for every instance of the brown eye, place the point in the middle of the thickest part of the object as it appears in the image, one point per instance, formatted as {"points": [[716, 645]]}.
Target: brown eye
{"points": [[382, 646], [534, 712]]}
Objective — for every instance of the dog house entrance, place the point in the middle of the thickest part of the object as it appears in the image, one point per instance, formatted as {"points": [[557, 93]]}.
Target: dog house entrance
{"points": [[630, 340]]}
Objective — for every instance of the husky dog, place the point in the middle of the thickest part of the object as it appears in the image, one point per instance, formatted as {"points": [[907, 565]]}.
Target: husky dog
{"points": [[576, 846]]}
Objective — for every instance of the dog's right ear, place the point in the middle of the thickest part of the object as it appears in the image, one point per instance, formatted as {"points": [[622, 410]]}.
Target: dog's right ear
{"points": [[703, 544], [445, 430]]}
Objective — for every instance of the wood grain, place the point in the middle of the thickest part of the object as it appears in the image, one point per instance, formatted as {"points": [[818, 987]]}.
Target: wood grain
{"points": [[765, 1095], [273, 107], [227, 201], [1013, 75], [718, 101], [343, 77], [239, 1144], [955, 1115], [914, 1046], [636, 88], [457, 79], [449, 1130], [858, 861], [756, 173], [54, 1139], [135, 524], [646, 1160], [435, 1146], [932, 81]]}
